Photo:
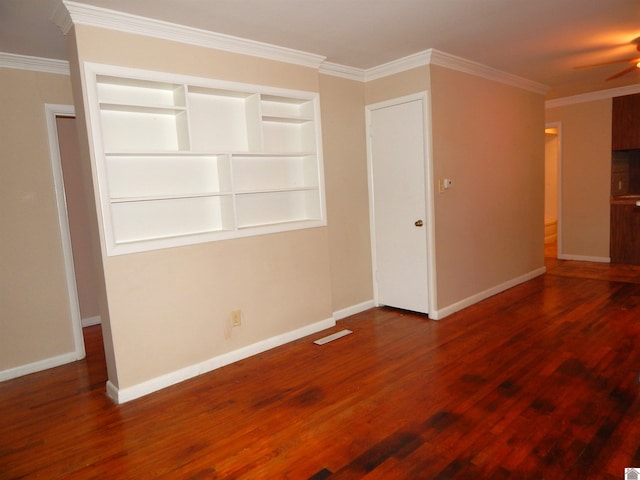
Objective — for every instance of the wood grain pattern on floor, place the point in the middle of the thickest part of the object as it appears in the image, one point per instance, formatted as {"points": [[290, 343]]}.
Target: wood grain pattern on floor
{"points": [[540, 381]]}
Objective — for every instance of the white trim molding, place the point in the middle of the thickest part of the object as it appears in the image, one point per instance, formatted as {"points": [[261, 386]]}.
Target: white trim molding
{"points": [[38, 366], [81, 14], [400, 65], [91, 321], [71, 13], [432, 57], [436, 57], [52, 111], [353, 310], [467, 302], [592, 96], [122, 395], [337, 70], [474, 68], [36, 64], [584, 258]]}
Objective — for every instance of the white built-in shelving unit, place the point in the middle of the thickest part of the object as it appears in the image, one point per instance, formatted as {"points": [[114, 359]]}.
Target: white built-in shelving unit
{"points": [[182, 160]]}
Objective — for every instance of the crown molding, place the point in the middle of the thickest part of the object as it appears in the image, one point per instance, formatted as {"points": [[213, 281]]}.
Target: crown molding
{"points": [[36, 64], [480, 70], [436, 57], [69, 13], [81, 14], [592, 96], [337, 70], [419, 59], [60, 17]]}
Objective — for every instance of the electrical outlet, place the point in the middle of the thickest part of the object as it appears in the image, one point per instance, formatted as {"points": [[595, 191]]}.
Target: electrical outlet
{"points": [[236, 318]]}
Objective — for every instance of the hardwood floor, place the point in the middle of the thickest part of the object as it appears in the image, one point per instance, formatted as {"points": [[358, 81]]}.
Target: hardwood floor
{"points": [[539, 382]]}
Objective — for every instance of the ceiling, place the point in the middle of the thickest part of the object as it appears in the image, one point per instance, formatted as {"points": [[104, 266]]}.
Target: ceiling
{"points": [[540, 40]]}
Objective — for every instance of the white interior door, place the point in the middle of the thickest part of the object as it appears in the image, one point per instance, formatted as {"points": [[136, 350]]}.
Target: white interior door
{"points": [[397, 165]]}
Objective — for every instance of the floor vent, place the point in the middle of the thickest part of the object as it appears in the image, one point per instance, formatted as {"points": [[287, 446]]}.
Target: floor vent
{"points": [[332, 337]]}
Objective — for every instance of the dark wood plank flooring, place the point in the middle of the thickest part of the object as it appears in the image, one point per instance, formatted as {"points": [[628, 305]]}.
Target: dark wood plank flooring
{"points": [[539, 382]]}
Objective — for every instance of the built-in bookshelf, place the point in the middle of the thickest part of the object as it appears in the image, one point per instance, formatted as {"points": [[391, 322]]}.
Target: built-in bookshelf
{"points": [[183, 160]]}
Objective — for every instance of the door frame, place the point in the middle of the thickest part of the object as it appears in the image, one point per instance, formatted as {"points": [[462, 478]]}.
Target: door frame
{"points": [[52, 111], [429, 192]]}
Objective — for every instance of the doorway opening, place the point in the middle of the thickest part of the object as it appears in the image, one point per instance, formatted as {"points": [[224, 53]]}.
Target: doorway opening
{"points": [[552, 191], [73, 221]]}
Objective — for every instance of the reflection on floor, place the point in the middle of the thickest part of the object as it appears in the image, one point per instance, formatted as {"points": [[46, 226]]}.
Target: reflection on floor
{"points": [[595, 270]]}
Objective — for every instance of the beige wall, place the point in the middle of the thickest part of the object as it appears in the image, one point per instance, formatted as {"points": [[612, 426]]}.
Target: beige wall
{"points": [[488, 138], [585, 139], [169, 309], [345, 168], [176, 301], [397, 85], [117, 48], [34, 304]]}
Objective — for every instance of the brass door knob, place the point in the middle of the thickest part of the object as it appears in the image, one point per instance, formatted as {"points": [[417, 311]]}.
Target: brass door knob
{"points": [[418, 223]]}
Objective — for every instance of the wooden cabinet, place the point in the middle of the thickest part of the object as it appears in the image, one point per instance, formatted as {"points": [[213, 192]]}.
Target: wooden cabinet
{"points": [[626, 122], [184, 160], [625, 180], [625, 230]]}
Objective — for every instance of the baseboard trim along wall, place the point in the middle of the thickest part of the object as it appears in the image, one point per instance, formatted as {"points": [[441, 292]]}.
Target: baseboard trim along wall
{"points": [[38, 366], [584, 258], [467, 302], [90, 321], [354, 309], [47, 363], [122, 395]]}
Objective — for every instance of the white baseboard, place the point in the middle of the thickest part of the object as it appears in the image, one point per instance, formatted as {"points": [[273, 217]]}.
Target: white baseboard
{"points": [[584, 258], [90, 321], [443, 312], [122, 395], [352, 310], [38, 366]]}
